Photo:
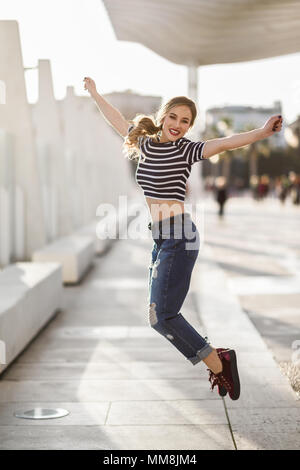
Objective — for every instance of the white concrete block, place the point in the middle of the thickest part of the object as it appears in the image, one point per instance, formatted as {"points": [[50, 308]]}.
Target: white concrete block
{"points": [[90, 230], [74, 252], [98, 230], [30, 293], [16, 119]]}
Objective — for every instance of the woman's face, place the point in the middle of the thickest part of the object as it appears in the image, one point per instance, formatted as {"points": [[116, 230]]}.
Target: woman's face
{"points": [[176, 123]]}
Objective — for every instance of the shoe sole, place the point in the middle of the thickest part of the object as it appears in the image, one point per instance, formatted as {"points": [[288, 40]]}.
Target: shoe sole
{"points": [[235, 375]]}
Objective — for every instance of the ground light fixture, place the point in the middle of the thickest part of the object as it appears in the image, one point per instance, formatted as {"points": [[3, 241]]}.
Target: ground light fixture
{"points": [[42, 413]]}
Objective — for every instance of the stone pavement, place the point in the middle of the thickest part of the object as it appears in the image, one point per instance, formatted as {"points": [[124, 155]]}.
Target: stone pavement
{"points": [[257, 245], [125, 386]]}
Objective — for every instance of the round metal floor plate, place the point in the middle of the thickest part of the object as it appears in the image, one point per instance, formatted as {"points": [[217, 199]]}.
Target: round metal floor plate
{"points": [[42, 413]]}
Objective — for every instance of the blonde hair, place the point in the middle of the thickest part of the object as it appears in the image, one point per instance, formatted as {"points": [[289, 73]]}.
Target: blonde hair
{"points": [[150, 126]]}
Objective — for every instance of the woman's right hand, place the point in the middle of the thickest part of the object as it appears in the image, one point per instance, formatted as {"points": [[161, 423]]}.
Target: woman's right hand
{"points": [[90, 85]]}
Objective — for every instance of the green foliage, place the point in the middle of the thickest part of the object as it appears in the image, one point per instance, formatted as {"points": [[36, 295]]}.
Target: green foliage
{"points": [[279, 162]]}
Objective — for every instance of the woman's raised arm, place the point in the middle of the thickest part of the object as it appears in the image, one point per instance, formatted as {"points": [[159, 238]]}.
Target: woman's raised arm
{"points": [[111, 114], [215, 146]]}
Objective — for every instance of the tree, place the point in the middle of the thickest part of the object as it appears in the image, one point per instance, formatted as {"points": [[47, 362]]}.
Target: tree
{"points": [[252, 152], [222, 128]]}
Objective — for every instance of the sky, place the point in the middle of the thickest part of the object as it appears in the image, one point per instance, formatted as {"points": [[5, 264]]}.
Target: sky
{"points": [[78, 39]]}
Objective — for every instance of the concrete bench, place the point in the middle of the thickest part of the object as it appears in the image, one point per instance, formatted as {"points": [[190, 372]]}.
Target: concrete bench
{"points": [[101, 245], [74, 252], [30, 294], [97, 229]]}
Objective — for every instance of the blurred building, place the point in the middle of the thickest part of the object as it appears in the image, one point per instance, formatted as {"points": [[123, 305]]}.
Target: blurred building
{"points": [[244, 118], [242, 164], [130, 103]]}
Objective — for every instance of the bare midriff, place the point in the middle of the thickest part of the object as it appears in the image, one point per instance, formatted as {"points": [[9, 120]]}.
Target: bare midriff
{"points": [[163, 209]]}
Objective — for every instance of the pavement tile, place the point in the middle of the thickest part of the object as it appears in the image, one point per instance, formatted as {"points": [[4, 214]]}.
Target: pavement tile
{"points": [[92, 344], [104, 390], [80, 414], [105, 371], [175, 437], [269, 395], [257, 375], [253, 439], [250, 359], [168, 412], [269, 419], [103, 353]]}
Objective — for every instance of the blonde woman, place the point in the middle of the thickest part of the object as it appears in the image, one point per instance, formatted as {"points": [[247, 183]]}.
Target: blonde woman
{"points": [[165, 158]]}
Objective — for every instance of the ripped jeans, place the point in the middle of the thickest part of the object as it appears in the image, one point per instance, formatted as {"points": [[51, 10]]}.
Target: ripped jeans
{"points": [[175, 250]]}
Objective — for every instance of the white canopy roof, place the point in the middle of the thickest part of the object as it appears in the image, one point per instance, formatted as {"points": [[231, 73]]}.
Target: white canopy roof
{"points": [[202, 32]]}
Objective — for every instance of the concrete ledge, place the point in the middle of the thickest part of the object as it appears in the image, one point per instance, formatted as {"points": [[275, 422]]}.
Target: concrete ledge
{"points": [[113, 224], [74, 252], [100, 245], [30, 293]]}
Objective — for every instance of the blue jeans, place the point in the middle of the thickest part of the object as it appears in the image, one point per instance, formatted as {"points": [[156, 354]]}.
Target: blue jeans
{"points": [[175, 250]]}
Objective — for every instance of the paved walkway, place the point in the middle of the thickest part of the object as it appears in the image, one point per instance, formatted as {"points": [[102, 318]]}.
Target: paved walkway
{"points": [[257, 246], [125, 386]]}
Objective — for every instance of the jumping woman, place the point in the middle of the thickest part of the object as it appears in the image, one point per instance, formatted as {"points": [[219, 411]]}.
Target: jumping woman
{"points": [[165, 158]]}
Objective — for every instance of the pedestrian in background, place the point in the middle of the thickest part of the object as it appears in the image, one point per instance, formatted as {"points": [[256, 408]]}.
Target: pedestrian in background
{"points": [[221, 193]]}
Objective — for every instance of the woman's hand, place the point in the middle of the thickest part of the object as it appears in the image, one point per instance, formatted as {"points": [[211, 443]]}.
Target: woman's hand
{"points": [[90, 85], [273, 124]]}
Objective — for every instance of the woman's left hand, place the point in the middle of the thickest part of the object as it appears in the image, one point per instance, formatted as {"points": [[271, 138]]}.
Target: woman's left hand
{"points": [[273, 124]]}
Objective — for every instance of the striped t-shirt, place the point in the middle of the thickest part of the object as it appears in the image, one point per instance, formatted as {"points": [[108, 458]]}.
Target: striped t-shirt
{"points": [[164, 168]]}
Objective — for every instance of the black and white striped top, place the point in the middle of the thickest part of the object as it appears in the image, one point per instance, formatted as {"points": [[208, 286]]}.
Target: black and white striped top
{"points": [[164, 168]]}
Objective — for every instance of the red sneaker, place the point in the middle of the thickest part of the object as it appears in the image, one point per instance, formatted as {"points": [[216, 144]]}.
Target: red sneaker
{"points": [[214, 381], [229, 377]]}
